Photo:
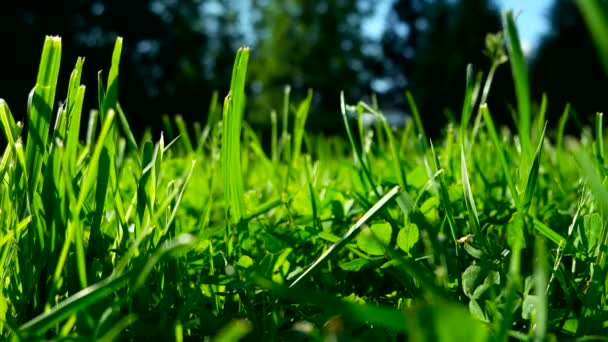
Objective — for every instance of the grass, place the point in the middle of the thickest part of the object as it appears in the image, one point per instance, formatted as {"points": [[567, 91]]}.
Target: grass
{"points": [[484, 235]]}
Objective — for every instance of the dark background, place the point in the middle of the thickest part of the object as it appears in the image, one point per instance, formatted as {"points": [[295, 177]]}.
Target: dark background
{"points": [[176, 53]]}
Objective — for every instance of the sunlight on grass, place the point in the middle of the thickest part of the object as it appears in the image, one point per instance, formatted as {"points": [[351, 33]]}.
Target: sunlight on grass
{"points": [[382, 234]]}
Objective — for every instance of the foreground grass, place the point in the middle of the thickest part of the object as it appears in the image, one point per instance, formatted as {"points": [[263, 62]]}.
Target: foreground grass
{"points": [[487, 234]]}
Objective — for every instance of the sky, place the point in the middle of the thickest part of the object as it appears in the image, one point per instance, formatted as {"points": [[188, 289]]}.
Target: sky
{"points": [[531, 19]]}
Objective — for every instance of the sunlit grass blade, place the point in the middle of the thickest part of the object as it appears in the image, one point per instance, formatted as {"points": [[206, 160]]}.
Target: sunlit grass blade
{"points": [[74, 230], [358, 153], [417, 120], [234, 105], [178, 200], [599, 143], [170, 247], [522, 87], [445, 201], [234, 331], [548, 232], [540, 278], [299, 125], [467, 105], [127, 130], [513, 286], [540, 121], [350, 234], [91, 127], [559, 143], [533, 175], [72, 141], [40, 107], [392, 145], [9, 127], [110, 99], [114, 333], [382, 316], [183, 132], [595, 181], [75, 303], [501, 156], [470, 203]]}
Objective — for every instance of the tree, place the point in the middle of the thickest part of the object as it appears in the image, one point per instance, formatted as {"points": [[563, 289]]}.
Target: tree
{"points": [[308, 44], [428, 45], [168, 48], [566, 66]]}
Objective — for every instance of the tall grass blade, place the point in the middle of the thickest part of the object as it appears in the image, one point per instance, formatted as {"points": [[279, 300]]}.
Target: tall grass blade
{"points": [[522, 87], [299, 125], [501, 155], [234, 105], [40, 107], [533, 175]]}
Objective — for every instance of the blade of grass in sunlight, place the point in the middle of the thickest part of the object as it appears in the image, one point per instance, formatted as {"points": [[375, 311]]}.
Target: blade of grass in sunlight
{"points": [[470, 203], [75, 303], [501, 156], [533, 175], [40, 107], [234, 105], [350, 234], [522, 87], [540, 277], [358, 153], [417, 120], [106, 166], [74, 229], [559, 143], [299, 125], [183, 133], [599, 143]]}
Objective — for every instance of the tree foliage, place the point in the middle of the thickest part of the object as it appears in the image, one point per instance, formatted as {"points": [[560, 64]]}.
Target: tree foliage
{"points": [[170, 53], [566, 66], [428, 45]]}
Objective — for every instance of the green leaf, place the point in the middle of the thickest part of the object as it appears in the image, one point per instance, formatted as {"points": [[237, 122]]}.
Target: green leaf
{"points": [[357, 264], [375, 239], [470, 278], [407, 237], [593, 231], [245, 261]]}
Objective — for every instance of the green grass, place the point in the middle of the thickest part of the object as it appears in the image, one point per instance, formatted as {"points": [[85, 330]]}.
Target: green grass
{"points": [[483, 235]]}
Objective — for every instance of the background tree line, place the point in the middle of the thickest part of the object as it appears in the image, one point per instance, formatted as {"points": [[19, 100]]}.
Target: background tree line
{"points": [[177, 53]]}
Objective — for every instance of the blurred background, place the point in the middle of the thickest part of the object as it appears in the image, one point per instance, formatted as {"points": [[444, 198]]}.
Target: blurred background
{"points": [[176, 53]]}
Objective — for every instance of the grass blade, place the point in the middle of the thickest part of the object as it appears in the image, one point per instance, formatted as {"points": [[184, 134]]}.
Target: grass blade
{"points": [[75, 303], [40, 107], [350, 234], [234, 105], [522, 87], [533, 175], [299, 125]]}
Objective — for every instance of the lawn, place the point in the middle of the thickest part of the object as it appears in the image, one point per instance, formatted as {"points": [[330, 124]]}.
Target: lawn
{"points": [[486, 234]]}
